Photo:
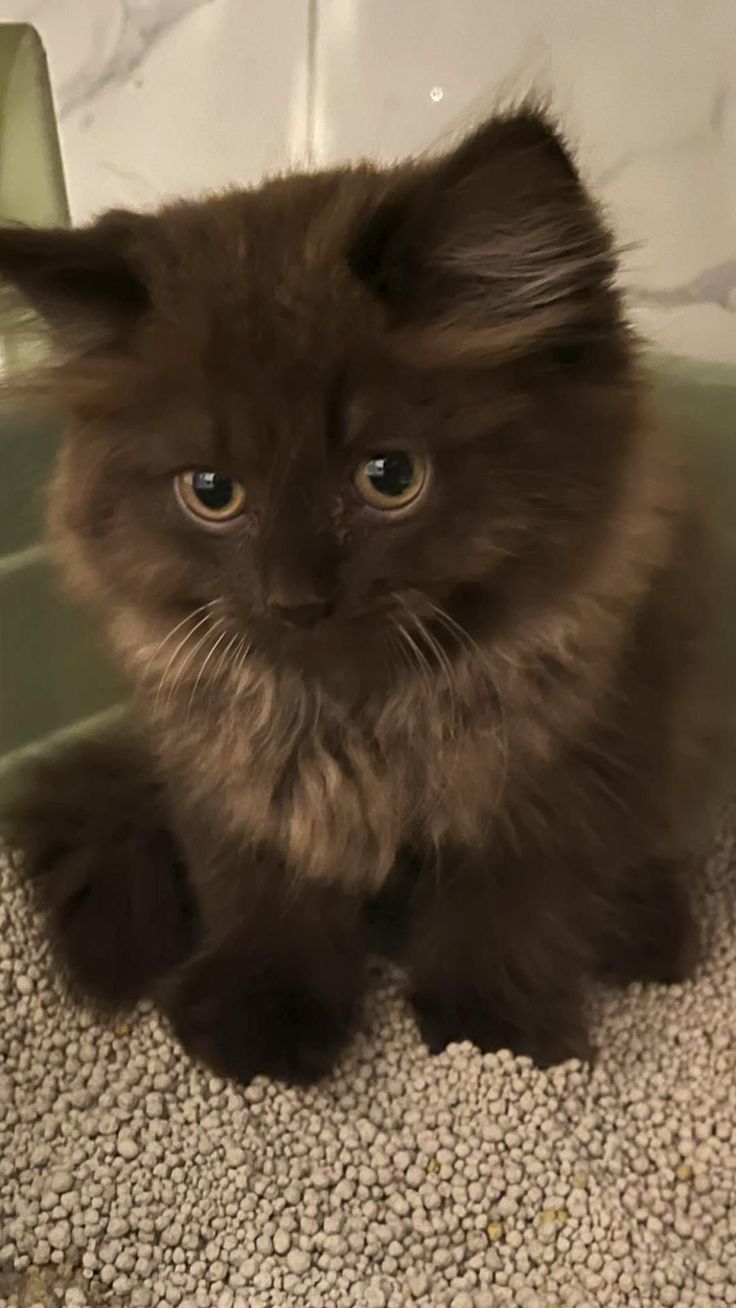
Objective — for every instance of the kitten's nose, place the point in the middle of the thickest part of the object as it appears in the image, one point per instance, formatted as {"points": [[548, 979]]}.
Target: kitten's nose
{"points": [[298, 584], [301, 615]]}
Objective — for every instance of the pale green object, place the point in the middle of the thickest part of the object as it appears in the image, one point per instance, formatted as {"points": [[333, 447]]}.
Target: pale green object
{"points": [[699, 399], [31, 175], [52, 680]]}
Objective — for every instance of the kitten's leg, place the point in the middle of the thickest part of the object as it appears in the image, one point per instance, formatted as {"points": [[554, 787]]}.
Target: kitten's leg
{"points": [[493, 960], [387, 913], [275, 986], [653, 935], [104, 867]]}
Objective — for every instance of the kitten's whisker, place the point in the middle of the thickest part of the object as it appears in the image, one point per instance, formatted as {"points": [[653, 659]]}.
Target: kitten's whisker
{"points": [[472, 646], [422, 664], [395, 644], [189, 655], [221, 664], [444, 665], [425, 672], [172, 632], [412, 662], [464, 639], [489, 680], [236, 654], [180, 670], [244, 650], [200, 674], [174, 656], [458, 631]]}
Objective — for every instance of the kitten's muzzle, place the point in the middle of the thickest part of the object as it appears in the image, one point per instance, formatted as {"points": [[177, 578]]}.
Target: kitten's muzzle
{"points": [[302, 616]]}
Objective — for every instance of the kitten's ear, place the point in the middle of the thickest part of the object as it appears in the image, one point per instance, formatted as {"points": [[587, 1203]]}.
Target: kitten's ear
{"points": [[84, 283], [494, 249]]}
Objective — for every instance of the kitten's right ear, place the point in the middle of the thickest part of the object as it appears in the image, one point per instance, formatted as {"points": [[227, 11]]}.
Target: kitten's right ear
{"points": [[495, 250], [84, 283]]}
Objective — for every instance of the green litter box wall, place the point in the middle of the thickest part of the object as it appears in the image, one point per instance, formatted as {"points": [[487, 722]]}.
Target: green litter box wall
{"points": [[51, 678], [700, 399]]}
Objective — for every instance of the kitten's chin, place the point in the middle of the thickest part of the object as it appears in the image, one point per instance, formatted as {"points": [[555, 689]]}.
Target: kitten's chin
{"points": [[353, 662]]}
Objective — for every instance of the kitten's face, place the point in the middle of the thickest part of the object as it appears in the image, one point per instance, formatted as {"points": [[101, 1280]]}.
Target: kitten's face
{"points": [[331, 422]]}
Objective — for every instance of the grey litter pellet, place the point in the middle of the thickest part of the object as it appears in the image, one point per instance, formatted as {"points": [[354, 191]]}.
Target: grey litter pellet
{"points": [[127, 1148], [465, 1181], [59, 1236], [282, 1242], [298, 1260], [60, 1183]]}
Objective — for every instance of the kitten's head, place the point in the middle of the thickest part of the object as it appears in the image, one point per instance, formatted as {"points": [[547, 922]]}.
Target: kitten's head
{"points": [[310, 417]]}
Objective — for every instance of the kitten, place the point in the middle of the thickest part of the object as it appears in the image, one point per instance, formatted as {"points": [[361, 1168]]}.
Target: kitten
{"points": [[363, 478]]}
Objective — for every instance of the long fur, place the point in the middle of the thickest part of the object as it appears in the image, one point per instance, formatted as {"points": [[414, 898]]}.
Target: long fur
{"points": [[504, 720]]}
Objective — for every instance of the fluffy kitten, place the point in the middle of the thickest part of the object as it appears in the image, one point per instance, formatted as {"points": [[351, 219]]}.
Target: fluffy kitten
{"points": [[363, 479]]}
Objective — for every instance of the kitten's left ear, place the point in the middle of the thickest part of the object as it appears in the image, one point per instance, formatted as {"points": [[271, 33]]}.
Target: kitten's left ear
{"points": [[494, 250], [86, 283]]}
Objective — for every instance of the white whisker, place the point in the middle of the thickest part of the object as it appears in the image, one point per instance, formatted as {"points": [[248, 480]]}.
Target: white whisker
{"points": [[420, 660], [205, 662], [242, 654], [189, 655], [172, 632], [444, 664], [221, 664], [177, 651], [480, 656]]}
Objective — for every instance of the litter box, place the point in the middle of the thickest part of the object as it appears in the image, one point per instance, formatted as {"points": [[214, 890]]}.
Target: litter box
{"points": [[52, 680]]}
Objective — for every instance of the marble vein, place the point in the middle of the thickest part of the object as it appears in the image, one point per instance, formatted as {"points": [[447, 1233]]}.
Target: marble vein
{"points": [[710, 127], [138, 30], [715, 285]]}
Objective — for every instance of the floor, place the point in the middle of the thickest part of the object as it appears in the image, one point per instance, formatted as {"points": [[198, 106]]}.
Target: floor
{"points": [[131, 1179], [162, 97]]}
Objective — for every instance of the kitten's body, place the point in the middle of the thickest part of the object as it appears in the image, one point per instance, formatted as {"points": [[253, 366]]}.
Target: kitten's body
{"points": [[503, 689]]}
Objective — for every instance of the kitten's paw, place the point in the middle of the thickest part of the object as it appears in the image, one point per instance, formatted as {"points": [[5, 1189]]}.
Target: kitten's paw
{"points": [[445, 1019], [105, 873], [661, 961], [243, 1026], [657, 938]]}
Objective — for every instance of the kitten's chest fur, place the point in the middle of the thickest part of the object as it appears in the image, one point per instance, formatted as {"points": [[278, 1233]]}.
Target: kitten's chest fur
{"points": [[336, 795]]}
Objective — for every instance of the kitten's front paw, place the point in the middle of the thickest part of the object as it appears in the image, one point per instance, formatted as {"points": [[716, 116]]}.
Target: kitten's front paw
{"points": [[243, 1026], [444, 1019], [115, 916], [105, 872], [657, 939]]}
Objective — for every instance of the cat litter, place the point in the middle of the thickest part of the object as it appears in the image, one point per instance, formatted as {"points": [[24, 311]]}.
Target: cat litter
{"points": [[130, 1177]]}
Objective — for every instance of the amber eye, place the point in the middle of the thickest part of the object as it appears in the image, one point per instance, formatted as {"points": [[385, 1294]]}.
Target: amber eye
{"points": [[391, 481], [209, 495]]}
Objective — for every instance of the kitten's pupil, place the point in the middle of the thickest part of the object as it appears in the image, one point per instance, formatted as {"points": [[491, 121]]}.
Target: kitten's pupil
{"points": [[212, 489], [391, 475], [391, 481], [210, 497]]}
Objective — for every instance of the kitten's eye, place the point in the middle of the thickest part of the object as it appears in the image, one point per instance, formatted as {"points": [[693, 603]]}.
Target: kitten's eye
{"points": [[210, 496], [391, 481]]}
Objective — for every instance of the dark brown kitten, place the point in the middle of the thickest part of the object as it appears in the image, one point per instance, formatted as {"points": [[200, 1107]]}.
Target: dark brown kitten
{"points": [[363, 479]]}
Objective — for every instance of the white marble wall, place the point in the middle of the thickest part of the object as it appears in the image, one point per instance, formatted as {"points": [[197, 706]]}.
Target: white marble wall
{"points": [[175, 96]]}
